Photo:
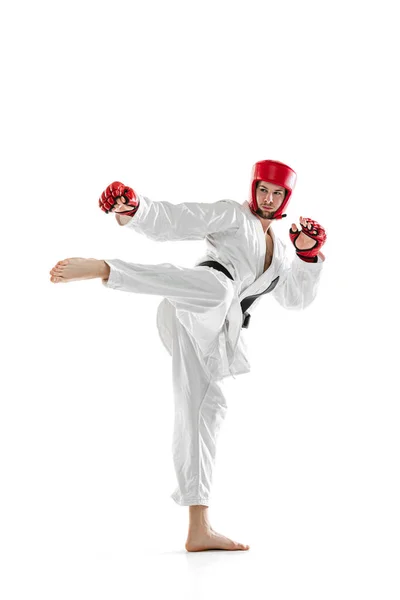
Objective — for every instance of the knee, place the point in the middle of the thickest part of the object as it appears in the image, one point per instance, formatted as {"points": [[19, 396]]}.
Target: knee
{"points": [[217, 289], [225, 293]]}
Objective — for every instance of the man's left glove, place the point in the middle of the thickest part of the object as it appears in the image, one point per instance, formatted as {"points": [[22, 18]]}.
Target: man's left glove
{"points": [[115, 190], [316, 233]]}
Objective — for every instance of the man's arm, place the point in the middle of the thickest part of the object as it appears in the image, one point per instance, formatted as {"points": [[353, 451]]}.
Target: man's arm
{"points": [[298, 283], [166, 222]]}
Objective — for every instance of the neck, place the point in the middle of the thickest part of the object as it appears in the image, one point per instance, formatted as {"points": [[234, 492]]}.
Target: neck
{"points": [[266, 223]]}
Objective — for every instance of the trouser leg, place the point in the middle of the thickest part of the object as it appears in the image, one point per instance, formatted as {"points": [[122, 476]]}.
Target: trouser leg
{"points": [[200, 409], [198, 290]]}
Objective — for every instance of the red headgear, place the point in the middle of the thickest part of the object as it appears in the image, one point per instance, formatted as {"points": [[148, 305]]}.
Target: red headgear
{"points": [[274, 172]]}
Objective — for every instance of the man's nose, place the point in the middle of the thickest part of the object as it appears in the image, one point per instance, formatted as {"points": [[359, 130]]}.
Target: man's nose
{"points": [[270, 198]]}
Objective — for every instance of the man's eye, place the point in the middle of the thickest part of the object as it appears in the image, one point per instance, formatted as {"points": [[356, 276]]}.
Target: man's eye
{"points": [[276, 192]]}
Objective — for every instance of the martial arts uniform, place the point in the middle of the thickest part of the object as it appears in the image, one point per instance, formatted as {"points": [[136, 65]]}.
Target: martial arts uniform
{"points": [[201, 316]]}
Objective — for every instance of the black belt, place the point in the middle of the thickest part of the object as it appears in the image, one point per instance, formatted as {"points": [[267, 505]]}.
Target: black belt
{"points": [[215, 265], [246, 302]]}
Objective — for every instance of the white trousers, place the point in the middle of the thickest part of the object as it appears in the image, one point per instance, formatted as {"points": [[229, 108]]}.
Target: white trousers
{"points": [[200, 408], [201, 297]]}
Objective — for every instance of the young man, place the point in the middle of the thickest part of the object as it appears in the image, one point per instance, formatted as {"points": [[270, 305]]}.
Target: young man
{"points": [[205, 308]]}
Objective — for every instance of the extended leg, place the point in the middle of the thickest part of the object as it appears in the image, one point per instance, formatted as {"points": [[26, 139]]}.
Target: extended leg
{"points": [[197, 289]]}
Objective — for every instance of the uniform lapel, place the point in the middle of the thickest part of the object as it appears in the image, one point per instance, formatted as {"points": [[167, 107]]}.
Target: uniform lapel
{"points": [[263, 280]]}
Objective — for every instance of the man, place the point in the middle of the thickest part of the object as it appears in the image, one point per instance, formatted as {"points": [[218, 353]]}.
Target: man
{"points": [[204, 308]]}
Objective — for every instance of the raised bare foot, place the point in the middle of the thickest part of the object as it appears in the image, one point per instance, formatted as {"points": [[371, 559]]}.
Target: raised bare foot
{"points": [[73, 269], [208, 539]]}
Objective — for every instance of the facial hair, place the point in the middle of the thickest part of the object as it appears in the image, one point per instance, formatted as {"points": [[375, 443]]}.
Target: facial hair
{"points": [[262, 213]]}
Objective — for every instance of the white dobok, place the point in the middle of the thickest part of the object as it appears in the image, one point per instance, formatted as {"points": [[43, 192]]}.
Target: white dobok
{"points": [[200, 317]]}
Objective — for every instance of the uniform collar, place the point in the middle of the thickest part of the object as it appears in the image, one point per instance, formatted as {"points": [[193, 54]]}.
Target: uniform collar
{"points": [[261, 239]]}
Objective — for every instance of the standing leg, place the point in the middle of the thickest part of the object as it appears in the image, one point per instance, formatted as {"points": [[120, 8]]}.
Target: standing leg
{"points": [[200, 408]]}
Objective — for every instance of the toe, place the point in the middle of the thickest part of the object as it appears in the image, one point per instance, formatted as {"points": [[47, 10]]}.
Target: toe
{"points": [[243, 546]]}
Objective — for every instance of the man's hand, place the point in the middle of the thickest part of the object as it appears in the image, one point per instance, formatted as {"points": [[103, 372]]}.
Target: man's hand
{"points": [[309, 240], [120, 205], [119, 198]]}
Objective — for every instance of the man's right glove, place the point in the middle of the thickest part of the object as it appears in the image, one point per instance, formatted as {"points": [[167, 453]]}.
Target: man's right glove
{"points": [[315, 232], [108, 199]]}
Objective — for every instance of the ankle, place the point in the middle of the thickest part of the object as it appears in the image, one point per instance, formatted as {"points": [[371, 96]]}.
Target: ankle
{"points": [[104, 270], [198, 518], [198, 529]]}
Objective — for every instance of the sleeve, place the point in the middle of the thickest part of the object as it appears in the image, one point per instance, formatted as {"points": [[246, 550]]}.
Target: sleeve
{"points": [[166, 222], [298, 283]]}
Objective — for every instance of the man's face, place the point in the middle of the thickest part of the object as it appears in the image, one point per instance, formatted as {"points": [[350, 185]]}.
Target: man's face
{"points": [[269, 198]]}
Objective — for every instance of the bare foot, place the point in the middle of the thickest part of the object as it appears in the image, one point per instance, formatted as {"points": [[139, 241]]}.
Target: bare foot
{"points": [[208, 539], [73, 269]]}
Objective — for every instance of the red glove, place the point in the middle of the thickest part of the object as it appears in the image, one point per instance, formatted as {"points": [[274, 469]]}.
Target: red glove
{"points": [[316, 233], [115, 190]]}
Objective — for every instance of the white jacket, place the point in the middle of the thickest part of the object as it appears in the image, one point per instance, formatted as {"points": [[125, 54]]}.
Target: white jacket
{"points": [[235, 238]]}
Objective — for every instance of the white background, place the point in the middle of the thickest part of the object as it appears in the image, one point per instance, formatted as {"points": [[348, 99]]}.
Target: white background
{"points": [[178, 100]]}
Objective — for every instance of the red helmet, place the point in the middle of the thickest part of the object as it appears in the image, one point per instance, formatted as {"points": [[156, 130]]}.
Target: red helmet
{"points": [[274, 172]]}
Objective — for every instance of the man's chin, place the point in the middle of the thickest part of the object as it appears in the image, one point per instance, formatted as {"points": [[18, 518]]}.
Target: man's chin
{"points": [[266, 214]]}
